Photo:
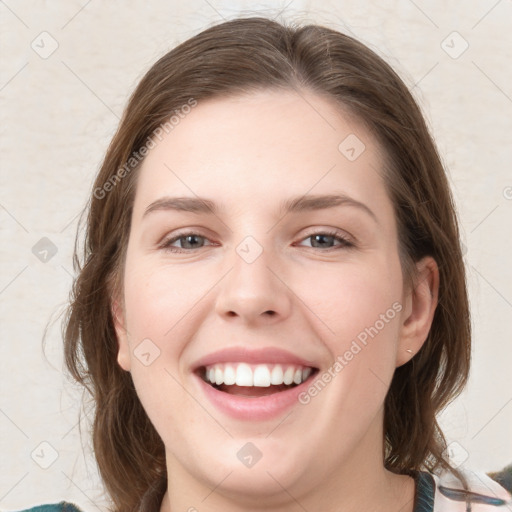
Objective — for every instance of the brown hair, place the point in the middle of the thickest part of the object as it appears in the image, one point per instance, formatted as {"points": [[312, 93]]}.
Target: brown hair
{"points": [[240, 56]]}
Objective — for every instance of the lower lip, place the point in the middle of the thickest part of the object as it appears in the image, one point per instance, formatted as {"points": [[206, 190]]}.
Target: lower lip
{"points": [[257, 408]]}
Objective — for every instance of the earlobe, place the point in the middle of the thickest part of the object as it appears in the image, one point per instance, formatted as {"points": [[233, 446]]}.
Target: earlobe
{"points": [[123, 355], [420, 311]]}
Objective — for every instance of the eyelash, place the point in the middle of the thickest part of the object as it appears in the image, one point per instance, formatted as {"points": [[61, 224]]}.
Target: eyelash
{"points": [[345, 242]]}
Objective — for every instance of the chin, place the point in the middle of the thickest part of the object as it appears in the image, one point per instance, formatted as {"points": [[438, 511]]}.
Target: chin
{"points": [[256, 470], [255, 486]]}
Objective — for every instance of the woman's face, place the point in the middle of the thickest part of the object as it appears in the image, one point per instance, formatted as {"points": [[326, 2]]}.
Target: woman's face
{"points": [[287, 272]]}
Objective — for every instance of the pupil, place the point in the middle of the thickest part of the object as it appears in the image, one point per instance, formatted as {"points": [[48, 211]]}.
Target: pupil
{"points": [[323, 238], [189, 239]]}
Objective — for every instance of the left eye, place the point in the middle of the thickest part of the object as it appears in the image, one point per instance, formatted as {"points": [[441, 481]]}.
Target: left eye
{"points": [[320, 240], [190, 242]]}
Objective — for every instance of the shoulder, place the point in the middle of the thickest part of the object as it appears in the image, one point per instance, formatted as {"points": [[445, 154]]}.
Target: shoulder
{"points": [[63, 506], [483, 495]]}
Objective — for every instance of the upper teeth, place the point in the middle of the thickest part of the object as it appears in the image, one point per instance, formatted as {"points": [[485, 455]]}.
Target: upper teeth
{"points": [[260, 375]]}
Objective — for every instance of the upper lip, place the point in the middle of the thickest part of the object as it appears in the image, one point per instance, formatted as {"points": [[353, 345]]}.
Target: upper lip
{"points": [[270, 355]]}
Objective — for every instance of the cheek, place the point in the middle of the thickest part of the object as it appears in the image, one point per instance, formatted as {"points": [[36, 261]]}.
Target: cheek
{"points": [[355, 300], [159, 300], [360, 312], [165, 305], [154, 304], [158, 309]]}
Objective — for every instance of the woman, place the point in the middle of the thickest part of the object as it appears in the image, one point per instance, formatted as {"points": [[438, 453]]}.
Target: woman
{"points": [[272, 306]]}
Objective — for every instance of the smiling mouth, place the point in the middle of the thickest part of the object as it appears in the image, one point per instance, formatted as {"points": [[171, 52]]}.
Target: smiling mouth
{"points": [[254, 381]]}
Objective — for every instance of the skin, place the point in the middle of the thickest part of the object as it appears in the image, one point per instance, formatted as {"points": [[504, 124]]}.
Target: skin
{"points": [[249, 153]]}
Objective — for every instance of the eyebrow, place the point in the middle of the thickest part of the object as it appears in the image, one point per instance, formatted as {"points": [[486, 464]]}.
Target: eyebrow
{"points": [[292, 205]]}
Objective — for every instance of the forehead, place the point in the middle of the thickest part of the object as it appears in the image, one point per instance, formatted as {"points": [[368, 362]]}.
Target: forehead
{"points": [[251, 150]]}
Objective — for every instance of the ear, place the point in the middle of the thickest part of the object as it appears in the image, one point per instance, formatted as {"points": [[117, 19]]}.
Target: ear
{"points": [[419, 310], [118, 315]]}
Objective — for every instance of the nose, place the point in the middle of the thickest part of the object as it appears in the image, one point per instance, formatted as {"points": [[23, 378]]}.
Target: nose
{"points": [[254, 292]]}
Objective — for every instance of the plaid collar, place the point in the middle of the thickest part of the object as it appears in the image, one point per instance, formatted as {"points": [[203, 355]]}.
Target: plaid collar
{"points": [[425, 492]]}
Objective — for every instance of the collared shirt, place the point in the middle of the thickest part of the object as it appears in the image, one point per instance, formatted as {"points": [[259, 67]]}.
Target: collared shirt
{"points": [[445, 493]]}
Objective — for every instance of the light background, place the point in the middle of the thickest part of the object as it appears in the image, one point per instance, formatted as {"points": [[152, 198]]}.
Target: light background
{"points": [[60, 112]]}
